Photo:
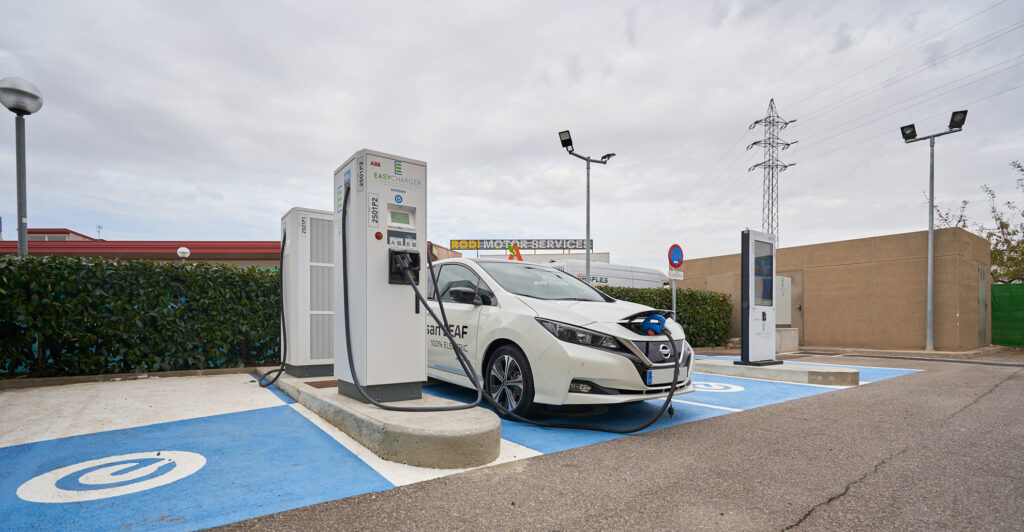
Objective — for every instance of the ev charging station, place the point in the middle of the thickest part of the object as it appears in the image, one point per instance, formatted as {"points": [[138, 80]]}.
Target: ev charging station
{"points": [[757, 296], [386, 218], [308, 308]]}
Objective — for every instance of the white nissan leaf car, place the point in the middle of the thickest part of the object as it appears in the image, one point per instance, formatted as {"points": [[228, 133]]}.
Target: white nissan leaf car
{"points": [[539, 335]]}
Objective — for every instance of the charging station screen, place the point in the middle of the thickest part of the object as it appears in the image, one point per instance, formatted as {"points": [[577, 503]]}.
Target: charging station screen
{"points": [[763, 274], [400, 217]]}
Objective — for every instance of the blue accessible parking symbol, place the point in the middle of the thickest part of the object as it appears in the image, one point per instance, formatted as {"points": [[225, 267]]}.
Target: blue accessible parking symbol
{"points": [[182, 475]]}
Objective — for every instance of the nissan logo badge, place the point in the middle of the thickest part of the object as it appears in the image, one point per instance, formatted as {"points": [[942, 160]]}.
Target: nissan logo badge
{"points": [[664, 350]]}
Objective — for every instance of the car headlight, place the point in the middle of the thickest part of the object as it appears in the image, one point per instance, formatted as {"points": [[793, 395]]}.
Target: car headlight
{"points": [[581, 336]]}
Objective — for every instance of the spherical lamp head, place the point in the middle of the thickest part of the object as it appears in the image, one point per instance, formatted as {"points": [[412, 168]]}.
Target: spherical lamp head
{"points": [[20, 96]]}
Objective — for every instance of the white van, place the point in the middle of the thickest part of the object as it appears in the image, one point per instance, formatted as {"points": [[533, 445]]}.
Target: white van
{"points": [[604, 274]]}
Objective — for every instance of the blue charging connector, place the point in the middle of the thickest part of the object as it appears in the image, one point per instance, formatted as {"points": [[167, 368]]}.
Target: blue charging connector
{"points": [[653, 324]]}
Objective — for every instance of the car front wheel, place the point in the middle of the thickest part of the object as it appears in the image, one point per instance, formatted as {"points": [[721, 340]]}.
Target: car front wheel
{"points": [[509, 380]]}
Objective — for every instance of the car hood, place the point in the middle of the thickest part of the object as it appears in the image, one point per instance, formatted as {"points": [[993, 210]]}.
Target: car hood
{"points": [[583, 312]]}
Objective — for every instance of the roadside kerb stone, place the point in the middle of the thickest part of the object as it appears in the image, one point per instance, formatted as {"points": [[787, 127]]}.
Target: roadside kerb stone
{"points": [[443, 440], [830, 376]]}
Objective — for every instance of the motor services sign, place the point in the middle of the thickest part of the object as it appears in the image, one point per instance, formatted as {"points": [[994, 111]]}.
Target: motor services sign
{"points": [[525, 243]]}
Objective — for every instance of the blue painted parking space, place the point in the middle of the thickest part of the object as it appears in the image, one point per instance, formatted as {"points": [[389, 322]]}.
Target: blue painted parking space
{"points": [[211, 470], [550, 440], [181, 475], [744, 394]]}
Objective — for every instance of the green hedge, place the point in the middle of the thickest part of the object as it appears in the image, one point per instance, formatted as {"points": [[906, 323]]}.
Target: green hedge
{"points": [[705, 316], [73, 316]]}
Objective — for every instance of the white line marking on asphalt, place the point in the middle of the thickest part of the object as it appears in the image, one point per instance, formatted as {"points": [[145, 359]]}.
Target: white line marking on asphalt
{"points": [[709, 406], [402, 474], [780, 382]]}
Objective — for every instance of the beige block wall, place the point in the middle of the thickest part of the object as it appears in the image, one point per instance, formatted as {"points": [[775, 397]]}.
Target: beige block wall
{"points": [[871, 292]]}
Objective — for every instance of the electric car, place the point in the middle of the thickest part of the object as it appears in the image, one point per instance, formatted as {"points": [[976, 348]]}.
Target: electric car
{"points": [[538, 335]]}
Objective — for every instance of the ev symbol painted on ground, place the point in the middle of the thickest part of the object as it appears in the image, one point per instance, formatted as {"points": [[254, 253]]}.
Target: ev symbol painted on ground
{"points": [[111, 476], [717, 387]]}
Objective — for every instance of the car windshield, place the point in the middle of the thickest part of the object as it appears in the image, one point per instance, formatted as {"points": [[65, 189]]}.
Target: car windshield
{"points": [[540, 282]]}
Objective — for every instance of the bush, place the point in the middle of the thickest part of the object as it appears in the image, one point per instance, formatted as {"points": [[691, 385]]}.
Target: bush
{"points": [[85, 316], [705, 316]]}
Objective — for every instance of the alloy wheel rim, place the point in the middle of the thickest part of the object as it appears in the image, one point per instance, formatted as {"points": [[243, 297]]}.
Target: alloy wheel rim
{"points": [[505, 382]]}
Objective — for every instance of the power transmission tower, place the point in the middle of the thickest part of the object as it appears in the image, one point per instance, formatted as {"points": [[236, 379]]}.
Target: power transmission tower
{"points": [[771, 165]]}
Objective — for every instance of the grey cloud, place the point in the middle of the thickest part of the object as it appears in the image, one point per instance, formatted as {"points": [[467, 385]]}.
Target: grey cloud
{"points": [[162, 124]]}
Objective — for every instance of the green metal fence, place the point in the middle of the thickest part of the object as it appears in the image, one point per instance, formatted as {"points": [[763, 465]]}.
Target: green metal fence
{"points": [[1008, 314]]}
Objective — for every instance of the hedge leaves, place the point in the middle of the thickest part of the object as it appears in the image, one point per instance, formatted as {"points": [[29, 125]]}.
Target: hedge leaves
{"points": [[84, 316], [705, 316]]}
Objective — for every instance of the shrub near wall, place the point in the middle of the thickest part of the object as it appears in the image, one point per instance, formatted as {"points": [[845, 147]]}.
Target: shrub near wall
{"points": [[73, 316], [705, 316]]}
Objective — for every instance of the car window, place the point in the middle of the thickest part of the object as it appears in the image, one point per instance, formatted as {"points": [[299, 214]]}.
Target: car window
{"points": [[455, 275], [540, 282]]}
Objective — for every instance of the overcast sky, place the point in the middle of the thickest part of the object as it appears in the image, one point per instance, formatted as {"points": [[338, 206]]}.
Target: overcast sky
{"points": [[208, 120]]}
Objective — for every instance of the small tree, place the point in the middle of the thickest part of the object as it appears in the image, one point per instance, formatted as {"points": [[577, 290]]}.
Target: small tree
{"points": [[1006, 235]]}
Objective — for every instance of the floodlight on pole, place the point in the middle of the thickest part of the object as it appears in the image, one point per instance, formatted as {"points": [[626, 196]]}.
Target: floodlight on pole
{"points": [[909, 133], [566, 139], [22, 98]]}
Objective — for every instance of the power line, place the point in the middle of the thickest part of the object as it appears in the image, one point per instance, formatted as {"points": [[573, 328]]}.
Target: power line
{"points": [[954, 89], [907, 49], [890, 130], [907, 75], [876, 111]]}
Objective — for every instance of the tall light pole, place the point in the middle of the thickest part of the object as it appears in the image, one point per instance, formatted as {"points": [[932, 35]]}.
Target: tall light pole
{"points": [[22, 98], [567, 144], [909, 132]]}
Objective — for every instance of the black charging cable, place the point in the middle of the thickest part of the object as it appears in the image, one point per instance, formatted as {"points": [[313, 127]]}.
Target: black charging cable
{"points": [[667, 405], [284, 330], [464, 360]]}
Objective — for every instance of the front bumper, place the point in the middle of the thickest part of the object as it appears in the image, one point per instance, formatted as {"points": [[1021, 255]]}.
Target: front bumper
{"points": [[617, 378]]}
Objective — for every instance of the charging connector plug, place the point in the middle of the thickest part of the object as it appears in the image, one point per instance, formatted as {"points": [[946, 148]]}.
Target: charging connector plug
{"points": [[402, 261]]}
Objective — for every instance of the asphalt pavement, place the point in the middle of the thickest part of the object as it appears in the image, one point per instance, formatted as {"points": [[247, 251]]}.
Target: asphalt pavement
{"points": [[939, 449]]}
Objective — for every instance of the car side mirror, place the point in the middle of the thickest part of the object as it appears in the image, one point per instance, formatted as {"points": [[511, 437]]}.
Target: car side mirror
{"points": [[461, 294]]}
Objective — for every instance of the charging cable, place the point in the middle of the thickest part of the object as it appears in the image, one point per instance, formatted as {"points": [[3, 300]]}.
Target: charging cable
{"points": [[464, 360], [284, 330]]}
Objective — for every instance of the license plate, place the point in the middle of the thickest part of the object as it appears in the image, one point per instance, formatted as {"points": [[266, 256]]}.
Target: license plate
{"points": [[656, 377]]}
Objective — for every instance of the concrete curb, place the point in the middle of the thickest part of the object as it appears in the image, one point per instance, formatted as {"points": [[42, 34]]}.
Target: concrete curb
{"points": [[918, 353], [823, 375], [443, 440], [16, 383]]}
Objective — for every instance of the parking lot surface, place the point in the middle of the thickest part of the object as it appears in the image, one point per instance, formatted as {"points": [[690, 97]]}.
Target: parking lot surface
{"points": [[934, 450], [194, 452]]}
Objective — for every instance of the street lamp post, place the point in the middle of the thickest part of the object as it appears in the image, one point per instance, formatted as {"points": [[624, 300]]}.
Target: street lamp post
{"points": [[909, 132], [22, 98], [566, 140]]}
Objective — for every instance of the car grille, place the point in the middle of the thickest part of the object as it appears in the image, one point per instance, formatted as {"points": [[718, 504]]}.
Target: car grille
{"points": [[653, 351]]}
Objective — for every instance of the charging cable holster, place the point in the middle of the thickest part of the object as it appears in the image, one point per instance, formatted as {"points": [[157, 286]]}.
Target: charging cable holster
{"points": [[401, 260]]}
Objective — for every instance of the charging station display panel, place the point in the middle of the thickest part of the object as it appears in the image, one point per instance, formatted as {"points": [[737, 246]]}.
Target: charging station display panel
{"points": [[764, 270], [758, 298], [387, 215]]}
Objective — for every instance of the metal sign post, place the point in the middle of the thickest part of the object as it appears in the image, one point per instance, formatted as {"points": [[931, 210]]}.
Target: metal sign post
{"points": [[675, 260]]}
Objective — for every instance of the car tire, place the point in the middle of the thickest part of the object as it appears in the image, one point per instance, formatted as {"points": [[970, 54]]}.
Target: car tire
{"points": [[509, 380]]}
